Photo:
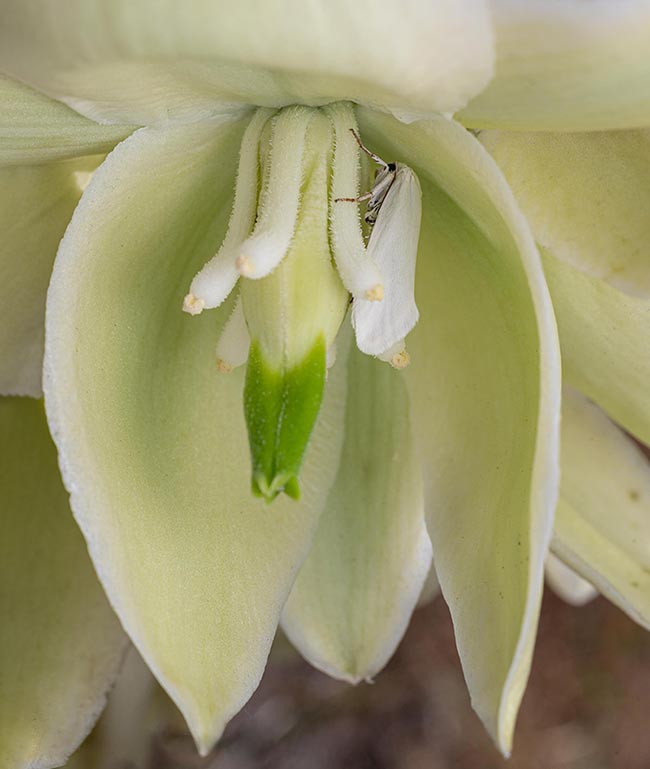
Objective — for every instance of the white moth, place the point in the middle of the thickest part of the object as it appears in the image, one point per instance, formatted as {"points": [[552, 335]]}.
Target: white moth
{"points": [[394, 212]]}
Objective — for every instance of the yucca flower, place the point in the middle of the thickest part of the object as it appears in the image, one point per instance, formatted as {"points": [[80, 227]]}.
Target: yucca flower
{"points": [[228, 132]]}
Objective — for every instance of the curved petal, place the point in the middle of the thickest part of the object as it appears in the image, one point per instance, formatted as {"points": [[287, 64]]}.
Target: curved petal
{"points": [[567, 66], [152, 438], [586, 197], [36, 203], [355, 593], [568, 585], [485, 385], [60, 644], [605, 341], [145, 61], [36, 129], [602, 528]]}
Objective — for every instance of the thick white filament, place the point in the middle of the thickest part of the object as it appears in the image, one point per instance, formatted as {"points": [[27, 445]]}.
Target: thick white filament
{"points": [[358, 271], [261, 253], [217, 279], [234, 342]]}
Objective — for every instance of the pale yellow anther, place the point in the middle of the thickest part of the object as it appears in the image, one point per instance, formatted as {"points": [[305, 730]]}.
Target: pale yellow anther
{"points": [[193, 305], [223, 367], [376, 293], [400, 360], [243, 265]]}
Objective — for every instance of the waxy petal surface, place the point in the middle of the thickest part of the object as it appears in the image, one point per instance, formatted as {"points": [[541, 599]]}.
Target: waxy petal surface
{"points": [[567, 66], [602, 528], [605, 341], [36, 203], [485, 386], [60, 644], [146, 61], [357, 589], [586, 197], [152, 438], [37, 129]]}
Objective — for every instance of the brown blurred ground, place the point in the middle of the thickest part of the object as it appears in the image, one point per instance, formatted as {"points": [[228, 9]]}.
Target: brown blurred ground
{"points": [[586, 706]]}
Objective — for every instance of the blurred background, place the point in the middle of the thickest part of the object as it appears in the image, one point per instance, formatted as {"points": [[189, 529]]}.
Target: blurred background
{"points": [[586, 707]]}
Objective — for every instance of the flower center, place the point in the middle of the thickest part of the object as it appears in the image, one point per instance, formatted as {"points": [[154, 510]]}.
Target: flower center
{"points": [[295, 239]]}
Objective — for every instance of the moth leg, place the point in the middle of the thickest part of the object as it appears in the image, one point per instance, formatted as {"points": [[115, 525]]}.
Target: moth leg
{"points": [[360, 199], [370, 154]]}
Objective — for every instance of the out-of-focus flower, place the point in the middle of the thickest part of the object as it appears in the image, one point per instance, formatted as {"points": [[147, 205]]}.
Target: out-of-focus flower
{"points": [[152, 440]]}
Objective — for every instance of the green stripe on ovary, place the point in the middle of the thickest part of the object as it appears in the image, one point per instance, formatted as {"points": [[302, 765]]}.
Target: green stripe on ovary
{"points": [[281, 408]]}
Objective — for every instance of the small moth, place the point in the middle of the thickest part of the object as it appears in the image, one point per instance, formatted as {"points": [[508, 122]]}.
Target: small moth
{"points": [[394, 213], [384, 178]]}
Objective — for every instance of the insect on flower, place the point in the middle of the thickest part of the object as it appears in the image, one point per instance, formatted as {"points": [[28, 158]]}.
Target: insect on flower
{"points": [[384, 179]]}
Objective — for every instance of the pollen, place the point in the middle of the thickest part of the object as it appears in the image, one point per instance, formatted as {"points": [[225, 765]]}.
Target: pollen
{"points": [[193, 305], [400, 360], [376, 293], [223, 367]]}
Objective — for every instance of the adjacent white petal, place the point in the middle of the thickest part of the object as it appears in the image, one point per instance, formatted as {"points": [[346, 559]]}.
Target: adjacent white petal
{"points": [[586, 197], [60, 643], [152, 60], [152, 438], [602, 528], [36, 204], [568, 585], [567, 65], [357, 589], [485, 384]]}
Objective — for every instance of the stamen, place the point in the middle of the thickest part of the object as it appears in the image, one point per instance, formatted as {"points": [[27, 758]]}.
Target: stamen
{"points": [[234, 342], [217, 279], [261, 253], [358, 270]]}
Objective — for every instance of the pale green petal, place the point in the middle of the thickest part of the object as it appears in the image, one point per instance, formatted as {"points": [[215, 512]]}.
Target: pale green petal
{"points": [[60, 643], [357, 589], [152, 438], [36, 129], [151, 60], [602, 528], [567, 65], [36, 204], [586, 197], [485, 380], [605, 341], [566, 584]]}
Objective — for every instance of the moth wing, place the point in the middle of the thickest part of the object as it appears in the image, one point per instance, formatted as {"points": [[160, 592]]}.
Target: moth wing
{"points": [[393, 245]]}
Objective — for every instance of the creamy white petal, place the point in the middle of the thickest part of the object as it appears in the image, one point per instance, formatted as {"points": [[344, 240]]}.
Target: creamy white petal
{"points": [[60, 644], [567, 65], [152, 439], [586, 197], [602, 528], [605, 341], [36, 129], [152, 60], [485, 384], [568, 585], [36, 203], [355, 593]]}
